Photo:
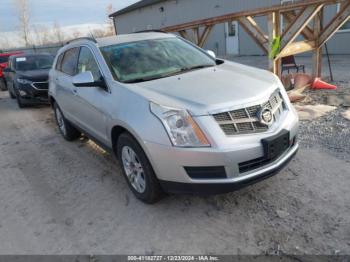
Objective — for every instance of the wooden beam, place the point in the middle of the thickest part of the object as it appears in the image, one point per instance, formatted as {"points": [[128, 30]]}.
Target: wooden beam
{"points": [[290, 16], [274, 31], [184, 34], [255, 12], [299, 24], [317, 53], [253, 29], [335, 24], [195, 35], [297, 48], [205, 35]]}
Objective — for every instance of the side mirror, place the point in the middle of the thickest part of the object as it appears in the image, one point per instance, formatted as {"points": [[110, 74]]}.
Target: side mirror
{"points": [[86, 79], [211, 53], [7, 70]]}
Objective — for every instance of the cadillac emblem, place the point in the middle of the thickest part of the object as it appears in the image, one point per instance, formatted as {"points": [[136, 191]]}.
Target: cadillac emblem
{"points": [[265, 116]]}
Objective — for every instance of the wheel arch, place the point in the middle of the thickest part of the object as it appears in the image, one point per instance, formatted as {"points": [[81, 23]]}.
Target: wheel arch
{"points": [[119, 129], [52, 100]]}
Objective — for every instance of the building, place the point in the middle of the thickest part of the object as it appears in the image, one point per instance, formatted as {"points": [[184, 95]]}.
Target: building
{"points": [[225, 39]]}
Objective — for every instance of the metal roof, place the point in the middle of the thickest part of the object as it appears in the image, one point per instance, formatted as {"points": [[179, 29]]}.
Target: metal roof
{"points": [[137, 5]]}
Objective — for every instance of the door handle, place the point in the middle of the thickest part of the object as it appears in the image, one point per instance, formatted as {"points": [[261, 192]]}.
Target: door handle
{"points": [[75, 92]]}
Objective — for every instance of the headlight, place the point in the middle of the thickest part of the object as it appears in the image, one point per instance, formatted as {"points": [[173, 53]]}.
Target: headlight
{"points": [[183, 131], [24, 81]]}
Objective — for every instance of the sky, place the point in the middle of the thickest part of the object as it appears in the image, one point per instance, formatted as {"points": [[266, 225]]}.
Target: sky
{"points": [[65, 12]]}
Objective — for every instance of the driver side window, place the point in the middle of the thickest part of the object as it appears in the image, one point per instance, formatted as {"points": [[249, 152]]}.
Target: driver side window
{"points": [[87, 62]]}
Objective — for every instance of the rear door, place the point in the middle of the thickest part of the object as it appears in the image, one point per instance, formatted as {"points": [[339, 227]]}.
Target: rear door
{"points": [[91, 102], [65, 91]]}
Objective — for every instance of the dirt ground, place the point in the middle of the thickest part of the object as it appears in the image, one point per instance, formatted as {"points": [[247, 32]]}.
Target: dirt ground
{"points": [[58, 197]]}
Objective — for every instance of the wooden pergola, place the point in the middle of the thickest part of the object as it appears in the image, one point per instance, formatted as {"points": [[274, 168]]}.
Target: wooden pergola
{"points": [[301, 18]]}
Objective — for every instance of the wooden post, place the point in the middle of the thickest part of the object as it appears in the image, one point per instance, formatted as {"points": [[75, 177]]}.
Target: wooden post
{"points": [[205, 35], [299, 24], [290, 17], [335, 23], [274, 31], [252, 28], [196, 35], [317, 53]]}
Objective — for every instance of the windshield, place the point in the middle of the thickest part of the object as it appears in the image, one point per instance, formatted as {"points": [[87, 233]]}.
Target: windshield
{"points": [[152, 59], [4, 59], [33, 63]]}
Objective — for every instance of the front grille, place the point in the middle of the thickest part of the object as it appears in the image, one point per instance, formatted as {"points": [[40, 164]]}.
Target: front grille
{"points": [[41, 85], [246, 120]]}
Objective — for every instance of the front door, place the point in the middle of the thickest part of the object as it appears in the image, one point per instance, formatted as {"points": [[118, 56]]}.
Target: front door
{"points": [[232, 42], [91, 102]]}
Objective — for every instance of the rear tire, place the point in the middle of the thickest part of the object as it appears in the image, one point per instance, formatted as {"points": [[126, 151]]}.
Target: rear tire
{"points": [[67, 130], [137, 170], [3, 86]]}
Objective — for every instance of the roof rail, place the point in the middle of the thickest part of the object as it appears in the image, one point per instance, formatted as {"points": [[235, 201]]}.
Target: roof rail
{"points": [[82, 38], [151, 31]]}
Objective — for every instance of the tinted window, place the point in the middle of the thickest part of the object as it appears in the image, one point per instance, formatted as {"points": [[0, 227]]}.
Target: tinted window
{"points": [[87, 62], [69, 63], [38, 62], [59, 62]]}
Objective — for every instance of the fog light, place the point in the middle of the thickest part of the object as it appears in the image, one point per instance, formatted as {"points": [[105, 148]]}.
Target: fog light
{"points": [[22, 93]]}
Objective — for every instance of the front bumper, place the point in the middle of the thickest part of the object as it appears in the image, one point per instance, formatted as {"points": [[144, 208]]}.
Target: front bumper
{"points": [[171, 164], [228, 186], [32, 95]]}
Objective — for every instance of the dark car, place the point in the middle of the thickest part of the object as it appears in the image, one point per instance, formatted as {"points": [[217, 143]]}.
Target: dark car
{"points": [[4, 58], [27, 78]]}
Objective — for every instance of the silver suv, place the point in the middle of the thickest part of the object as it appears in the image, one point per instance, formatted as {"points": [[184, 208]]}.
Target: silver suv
{"points": [[178, 119]]}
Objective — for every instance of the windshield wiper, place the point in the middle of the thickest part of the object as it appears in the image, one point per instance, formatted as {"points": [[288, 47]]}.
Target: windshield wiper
{"points": [[185, 69], [144, 79], [141, 79], [176, 72]]}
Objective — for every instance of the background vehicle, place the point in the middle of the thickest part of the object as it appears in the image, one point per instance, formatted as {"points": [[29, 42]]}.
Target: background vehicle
{"points": [[27, 78], [4, 57], [178, 119]]}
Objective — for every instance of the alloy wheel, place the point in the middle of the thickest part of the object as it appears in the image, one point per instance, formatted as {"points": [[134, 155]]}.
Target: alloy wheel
{"points": [[133, 169], [60, 121]]}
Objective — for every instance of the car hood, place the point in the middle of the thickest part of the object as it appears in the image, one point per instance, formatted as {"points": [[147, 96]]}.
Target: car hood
{"points": [[34, 75], [211, 89]]}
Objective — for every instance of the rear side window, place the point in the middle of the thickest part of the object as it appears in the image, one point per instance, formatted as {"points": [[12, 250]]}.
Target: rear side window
{"points": [[70, 60]]}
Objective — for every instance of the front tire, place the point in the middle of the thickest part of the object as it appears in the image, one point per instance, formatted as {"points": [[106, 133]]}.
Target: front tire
{"points": [[20, 103], [137, 170], [66, 129], [19, 100]]}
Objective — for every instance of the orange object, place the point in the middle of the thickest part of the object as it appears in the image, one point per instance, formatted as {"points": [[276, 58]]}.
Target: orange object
{"points": [[319, 84]]}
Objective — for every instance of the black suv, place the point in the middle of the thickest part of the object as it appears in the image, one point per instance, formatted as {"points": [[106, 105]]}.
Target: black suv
{"points": [[27, 78]]}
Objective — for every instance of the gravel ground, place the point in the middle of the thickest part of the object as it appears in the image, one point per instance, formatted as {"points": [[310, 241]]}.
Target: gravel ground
{"points": [[332, 131], [58, 197]]}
